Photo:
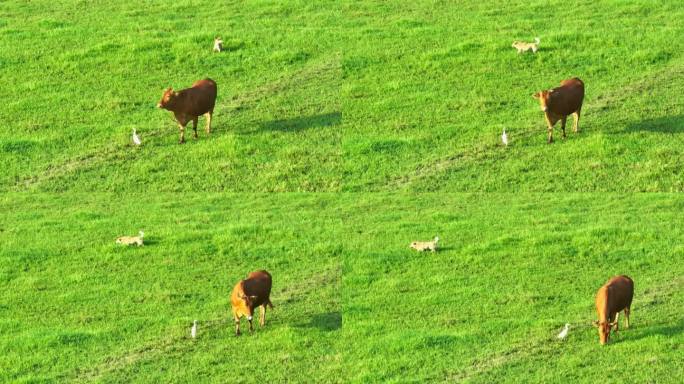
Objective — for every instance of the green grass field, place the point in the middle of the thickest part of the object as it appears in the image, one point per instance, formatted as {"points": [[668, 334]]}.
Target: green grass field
{"points": [[342, 132], [353, 303], [78, 307], [512, 271]]}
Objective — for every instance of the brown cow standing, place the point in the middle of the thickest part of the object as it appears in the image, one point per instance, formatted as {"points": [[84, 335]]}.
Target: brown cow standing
{"points": [[613, 297], [188, 104], [248, 294], [560, 102]]}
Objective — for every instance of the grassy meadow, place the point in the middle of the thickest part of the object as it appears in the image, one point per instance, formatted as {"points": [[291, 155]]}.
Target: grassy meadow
{"points": [[80, 308], [343, 130], [352, 302], [512, 271], [426, 111], [78, 78]]}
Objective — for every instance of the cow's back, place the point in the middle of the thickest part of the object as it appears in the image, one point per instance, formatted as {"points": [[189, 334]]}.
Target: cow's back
{"points": [[567, 98], [620, 290], [258, 284], [200, 98]]}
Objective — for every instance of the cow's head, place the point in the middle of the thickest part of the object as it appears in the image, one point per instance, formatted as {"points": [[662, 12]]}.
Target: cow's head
{"points": [[604, 328], [414, 245], [246, 305], [167, 98], [543, 97]]}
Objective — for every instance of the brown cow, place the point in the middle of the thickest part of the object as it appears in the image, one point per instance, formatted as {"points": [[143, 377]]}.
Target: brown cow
{"points": [[188, 104], [611, 298], [560, 102], [248, 294]]}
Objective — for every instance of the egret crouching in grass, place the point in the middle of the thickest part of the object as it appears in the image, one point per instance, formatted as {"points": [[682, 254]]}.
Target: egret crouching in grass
{"points": [[193, 330], [504, 137], [564, 333], [136, 138]]}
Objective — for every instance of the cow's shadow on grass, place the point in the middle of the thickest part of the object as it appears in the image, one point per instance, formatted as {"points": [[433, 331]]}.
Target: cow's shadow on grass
{"points": [[302, 123], [647, 330], [329, 321], [667, 124]]}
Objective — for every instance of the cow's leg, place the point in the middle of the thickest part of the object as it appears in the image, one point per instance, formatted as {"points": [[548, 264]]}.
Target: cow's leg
{"points": [[194, 125], [262, 318], [237, 324], [251, 327], [616, 327], [550, 129], [209, 121], [182, 133], [575, 126], [563, 120], [627, 317]]}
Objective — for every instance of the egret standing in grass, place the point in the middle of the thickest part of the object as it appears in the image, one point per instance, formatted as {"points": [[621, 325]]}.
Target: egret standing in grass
{"points": [[504, 137], [136, 138], [193, 330], [564, 333]]}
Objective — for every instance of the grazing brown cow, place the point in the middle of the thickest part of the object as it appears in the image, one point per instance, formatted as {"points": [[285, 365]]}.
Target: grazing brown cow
{"points": [[611, 298], [188, 104], [560, 102], [248, 294]]}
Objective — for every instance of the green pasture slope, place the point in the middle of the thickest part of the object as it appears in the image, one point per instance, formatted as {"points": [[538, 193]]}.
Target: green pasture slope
{"points": [[513, 269], [379, 123], [329, 96], [77, 77], [353, 302], [77, 307], [429, 87]]}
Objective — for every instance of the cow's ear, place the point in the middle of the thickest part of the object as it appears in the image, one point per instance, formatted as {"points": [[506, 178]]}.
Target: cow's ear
{"points": [[595, 323]]}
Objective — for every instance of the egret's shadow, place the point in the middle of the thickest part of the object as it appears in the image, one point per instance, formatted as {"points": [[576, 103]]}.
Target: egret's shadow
{"points": [[301, 123], [330, 321], [666, 124]]}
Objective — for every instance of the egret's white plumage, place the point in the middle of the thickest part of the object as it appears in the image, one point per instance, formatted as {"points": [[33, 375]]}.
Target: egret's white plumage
{"points": [[564, 333], [136, 138], [504, 137], [193, 331]]}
